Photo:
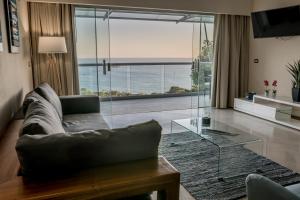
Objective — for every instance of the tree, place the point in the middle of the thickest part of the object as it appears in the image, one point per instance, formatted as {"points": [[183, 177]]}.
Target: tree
{"points": [[207, 51], [204, 69]]}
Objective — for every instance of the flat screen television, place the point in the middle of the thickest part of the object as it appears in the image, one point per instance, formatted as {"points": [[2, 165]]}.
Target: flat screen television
{"points": [[276, 23]]}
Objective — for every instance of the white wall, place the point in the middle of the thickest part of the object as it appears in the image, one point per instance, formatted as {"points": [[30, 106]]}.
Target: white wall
{"points": [[238, 7], [273, 53], [15, 75]]}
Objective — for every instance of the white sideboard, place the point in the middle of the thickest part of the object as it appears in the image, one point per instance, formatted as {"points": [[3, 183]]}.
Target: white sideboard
{"points": [[281, 110]]}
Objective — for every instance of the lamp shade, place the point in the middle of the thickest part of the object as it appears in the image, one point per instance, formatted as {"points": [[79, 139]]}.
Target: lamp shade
{"points": [[52, 45]]}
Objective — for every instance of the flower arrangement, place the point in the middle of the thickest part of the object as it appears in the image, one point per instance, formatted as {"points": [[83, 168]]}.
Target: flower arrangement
{"points": [[274, 91], [267, 90]]}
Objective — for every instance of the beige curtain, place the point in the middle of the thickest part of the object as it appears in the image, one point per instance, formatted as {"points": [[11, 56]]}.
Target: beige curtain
{"points": [[231, 59], [53, 20]]}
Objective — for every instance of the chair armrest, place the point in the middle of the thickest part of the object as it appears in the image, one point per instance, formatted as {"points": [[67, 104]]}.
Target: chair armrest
{"points": [[80, 104], [262, 188]]}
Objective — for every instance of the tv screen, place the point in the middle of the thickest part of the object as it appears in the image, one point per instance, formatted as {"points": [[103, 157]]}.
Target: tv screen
{"points": [[276, 23]]}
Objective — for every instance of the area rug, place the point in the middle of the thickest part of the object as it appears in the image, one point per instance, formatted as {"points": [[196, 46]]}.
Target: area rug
{"points": [[196, 160]]}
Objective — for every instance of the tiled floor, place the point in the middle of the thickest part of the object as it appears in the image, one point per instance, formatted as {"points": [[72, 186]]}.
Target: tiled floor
{"points": [[155, 104], [164, 118], [281, 144]]}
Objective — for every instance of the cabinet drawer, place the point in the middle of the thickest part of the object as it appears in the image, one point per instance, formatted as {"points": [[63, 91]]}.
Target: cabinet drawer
{"points": [[255, 109]]}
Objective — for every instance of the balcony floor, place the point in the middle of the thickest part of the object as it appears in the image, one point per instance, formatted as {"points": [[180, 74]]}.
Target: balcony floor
{"points": [[121, 107]]}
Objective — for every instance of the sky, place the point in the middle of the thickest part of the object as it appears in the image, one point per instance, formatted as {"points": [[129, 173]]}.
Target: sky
{"points": [[150, 39], [136, 39]]}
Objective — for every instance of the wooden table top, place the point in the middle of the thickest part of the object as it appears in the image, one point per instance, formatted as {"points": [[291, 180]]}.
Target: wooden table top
{"points": [[108, 181]]}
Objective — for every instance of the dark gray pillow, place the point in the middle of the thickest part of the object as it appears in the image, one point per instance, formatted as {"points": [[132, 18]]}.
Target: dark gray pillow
{"points": [[50, 95], [41, 118], [29, 98], [65, 152]]}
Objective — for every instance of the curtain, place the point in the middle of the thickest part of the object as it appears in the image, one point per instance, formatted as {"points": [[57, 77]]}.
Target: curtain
{"points": [[47, 19], [231, 59]]}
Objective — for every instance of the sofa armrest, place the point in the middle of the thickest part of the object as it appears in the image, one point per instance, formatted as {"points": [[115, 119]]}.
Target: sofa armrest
{"points": [[80, 104], [65, 152], [262, 188]]}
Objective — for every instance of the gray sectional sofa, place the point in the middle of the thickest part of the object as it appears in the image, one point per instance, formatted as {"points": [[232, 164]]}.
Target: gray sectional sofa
{"points": [[63, 134]]}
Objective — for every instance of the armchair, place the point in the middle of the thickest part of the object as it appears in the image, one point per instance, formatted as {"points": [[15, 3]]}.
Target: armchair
{"points": [[262, 188]]}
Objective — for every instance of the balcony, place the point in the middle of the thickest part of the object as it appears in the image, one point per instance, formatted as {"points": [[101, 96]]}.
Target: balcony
{"points": [[144, 80], [146, 87]]}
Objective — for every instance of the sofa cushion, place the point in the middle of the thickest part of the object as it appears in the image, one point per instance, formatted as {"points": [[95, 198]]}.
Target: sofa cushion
{"points": [[29, 98], [262, 188], [41, 118], [65, 152], [50, 95], [80, 104], [295, 189], [82, 122]]}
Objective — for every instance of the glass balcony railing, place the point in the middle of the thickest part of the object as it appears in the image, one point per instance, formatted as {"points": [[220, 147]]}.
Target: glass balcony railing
{"points": [[129, 80]]}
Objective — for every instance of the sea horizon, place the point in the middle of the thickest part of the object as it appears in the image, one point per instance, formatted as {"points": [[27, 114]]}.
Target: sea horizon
{"points": [[141, 79], [134, 60]]}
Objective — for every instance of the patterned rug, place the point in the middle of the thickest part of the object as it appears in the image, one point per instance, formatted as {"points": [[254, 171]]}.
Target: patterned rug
{"points": [[197, 162]]}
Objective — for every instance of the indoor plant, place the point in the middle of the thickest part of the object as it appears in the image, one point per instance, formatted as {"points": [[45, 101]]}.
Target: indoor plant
{"points": [[294, 70]]}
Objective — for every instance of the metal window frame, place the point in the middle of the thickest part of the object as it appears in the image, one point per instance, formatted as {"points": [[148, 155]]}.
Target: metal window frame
{"points": [[185, 16], [137, 64]]}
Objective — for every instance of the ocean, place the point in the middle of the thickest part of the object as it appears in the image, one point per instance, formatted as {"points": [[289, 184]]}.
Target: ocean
{"points": [[136, 79]]}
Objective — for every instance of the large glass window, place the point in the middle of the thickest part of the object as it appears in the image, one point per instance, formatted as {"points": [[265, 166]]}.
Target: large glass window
{"points": [[151, 54]]}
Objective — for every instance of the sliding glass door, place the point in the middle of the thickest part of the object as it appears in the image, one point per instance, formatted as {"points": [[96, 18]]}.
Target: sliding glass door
{"points": [[104, 69], [144, 58], [202, 59], [93, 55]]}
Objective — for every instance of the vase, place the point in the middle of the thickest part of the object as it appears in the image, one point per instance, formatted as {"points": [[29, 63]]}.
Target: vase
{"points": [[274, 93], [296, 94], [267, 93]]}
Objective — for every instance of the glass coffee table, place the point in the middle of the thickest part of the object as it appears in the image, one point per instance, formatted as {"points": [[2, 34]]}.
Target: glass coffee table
{"points": [[224, 137]]}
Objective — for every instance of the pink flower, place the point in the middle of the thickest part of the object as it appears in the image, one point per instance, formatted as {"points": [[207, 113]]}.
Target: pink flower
{"points": [[266, 83], [274, 84]]}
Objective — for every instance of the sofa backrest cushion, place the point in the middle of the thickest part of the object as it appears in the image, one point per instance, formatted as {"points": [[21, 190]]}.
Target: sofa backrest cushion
{"points": [[41, 118], [50, 95], [30, 98], [65, 152]]}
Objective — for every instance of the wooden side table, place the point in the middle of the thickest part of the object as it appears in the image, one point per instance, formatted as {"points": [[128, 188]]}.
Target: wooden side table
{"points": [[108, 182]]}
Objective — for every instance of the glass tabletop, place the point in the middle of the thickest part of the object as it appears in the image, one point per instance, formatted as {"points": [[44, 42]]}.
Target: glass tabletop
{"points": [[218, 133]]}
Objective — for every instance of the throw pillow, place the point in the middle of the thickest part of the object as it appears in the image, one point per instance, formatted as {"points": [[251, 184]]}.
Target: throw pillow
{"points": [[50, 95]]}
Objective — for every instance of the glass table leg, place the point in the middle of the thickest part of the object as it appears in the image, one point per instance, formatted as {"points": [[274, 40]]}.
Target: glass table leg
{"points": [[220, 178]]}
